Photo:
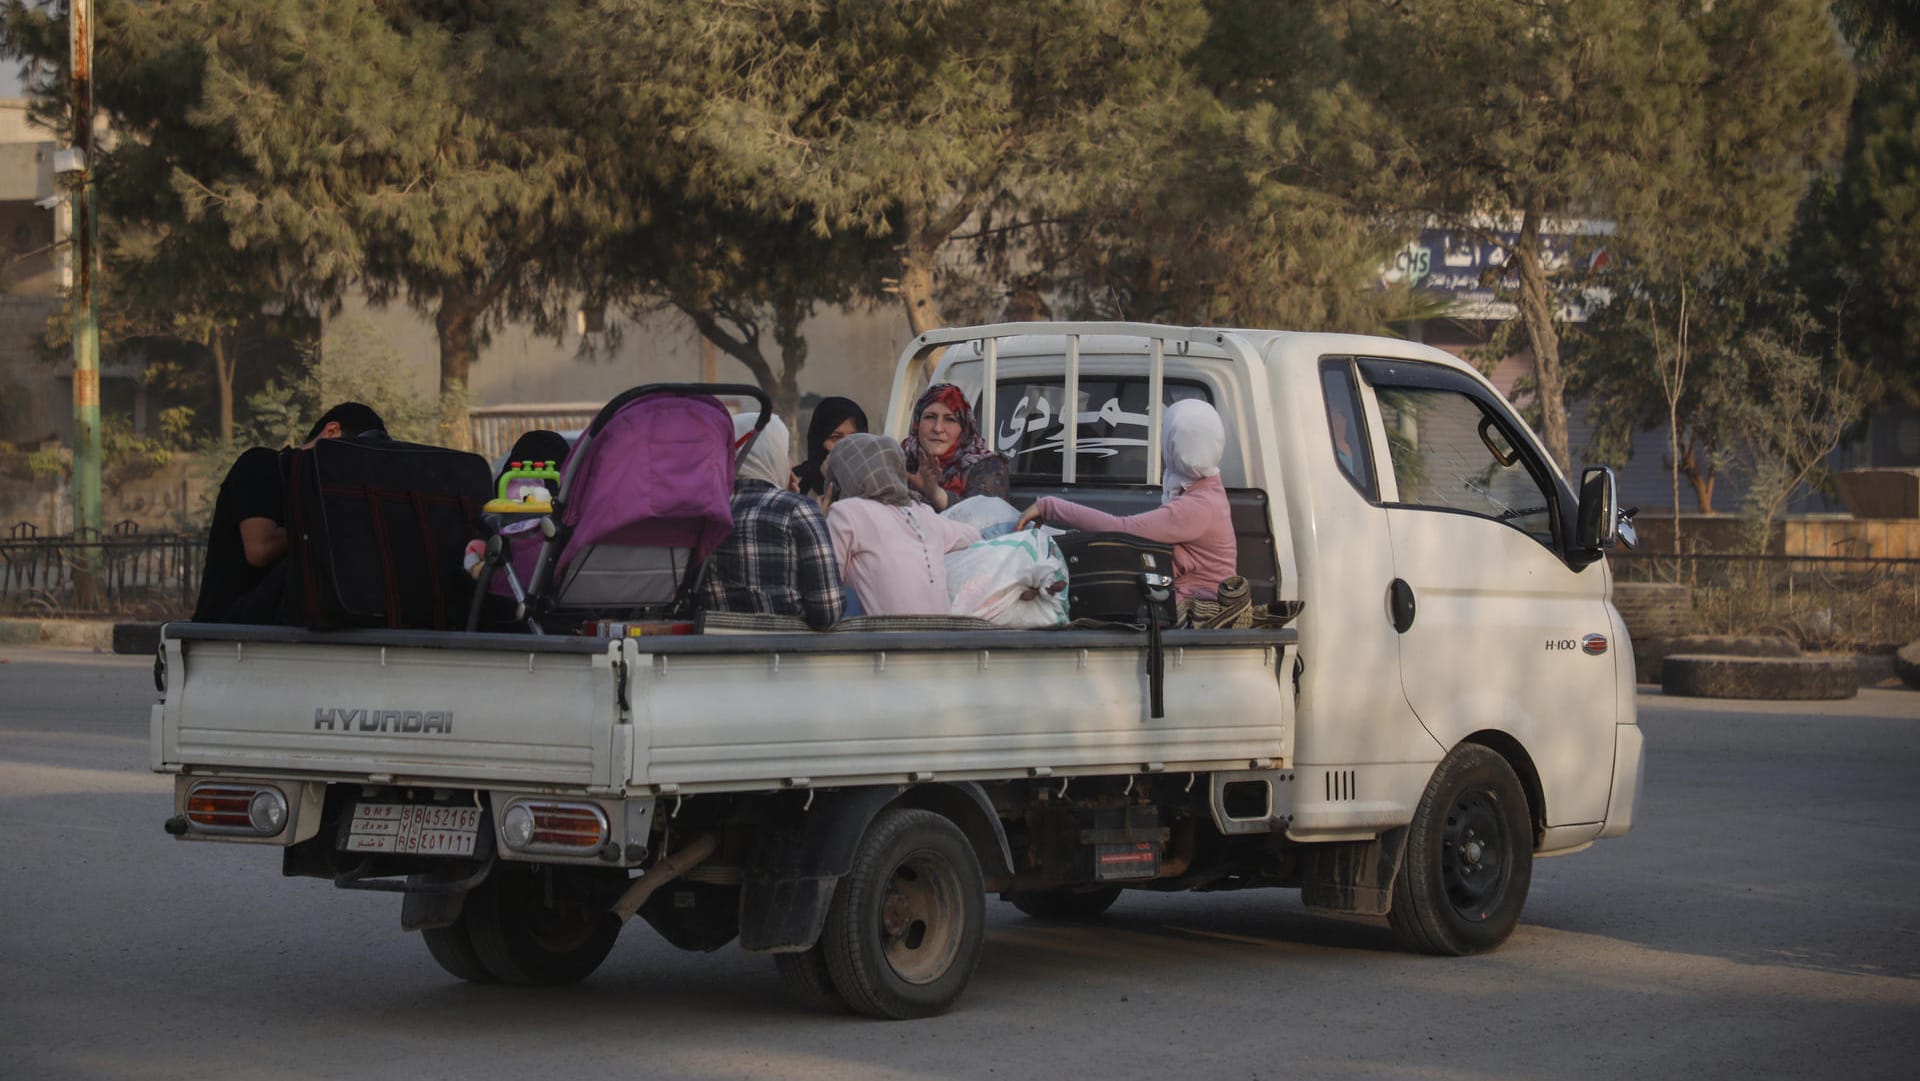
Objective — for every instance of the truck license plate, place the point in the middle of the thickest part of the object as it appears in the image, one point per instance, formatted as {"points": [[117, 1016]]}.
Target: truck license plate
{"points": [[413, 828]]}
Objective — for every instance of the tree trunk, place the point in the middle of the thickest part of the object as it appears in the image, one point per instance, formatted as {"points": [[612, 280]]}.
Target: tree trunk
{"points": [[1701, 480], [223, 366], [916, 290], [457, 323], [1536, 316], [787, 317]]}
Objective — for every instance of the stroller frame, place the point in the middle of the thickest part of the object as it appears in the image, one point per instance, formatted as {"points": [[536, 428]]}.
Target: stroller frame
{"points": [[539, 601]]}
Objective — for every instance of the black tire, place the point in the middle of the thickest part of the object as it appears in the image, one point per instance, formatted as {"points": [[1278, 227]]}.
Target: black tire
{"points": [[1065, 904], [807, 978], [904, 932], [452, 947], [529, 935], [1469, 858]]}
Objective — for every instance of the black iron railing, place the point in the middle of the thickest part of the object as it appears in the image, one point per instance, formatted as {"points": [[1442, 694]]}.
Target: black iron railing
{"points": [[140, 575]]}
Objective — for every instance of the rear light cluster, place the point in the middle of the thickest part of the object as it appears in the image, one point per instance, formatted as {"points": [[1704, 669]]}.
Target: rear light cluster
{"points": [[553, 826], [259, 810]]}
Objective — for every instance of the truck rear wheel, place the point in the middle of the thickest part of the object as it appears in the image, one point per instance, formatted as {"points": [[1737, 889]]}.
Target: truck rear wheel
{"points": [[535, 929], [903, 935], [808, 980], [452, 947], [1065, 904], [1469, 858]]}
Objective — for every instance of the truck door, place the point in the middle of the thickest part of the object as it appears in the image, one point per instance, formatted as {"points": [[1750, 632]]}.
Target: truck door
{"points": [[1497, 629]]}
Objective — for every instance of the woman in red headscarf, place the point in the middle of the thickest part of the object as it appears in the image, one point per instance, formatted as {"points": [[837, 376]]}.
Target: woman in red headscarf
{"points": [[947, 459]]}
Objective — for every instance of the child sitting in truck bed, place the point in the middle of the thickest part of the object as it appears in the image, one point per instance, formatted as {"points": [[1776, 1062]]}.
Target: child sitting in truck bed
{"points": [[1193, 515], [892, 551]]}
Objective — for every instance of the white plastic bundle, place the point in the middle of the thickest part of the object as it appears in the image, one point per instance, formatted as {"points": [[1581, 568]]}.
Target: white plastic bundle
{"points": [[1015, 580], [989, 514]]}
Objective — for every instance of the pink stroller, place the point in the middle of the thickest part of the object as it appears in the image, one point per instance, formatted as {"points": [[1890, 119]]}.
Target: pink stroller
{"points": [[645, 498]]}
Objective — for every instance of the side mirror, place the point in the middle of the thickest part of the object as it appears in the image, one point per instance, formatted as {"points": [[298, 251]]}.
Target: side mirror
{"points": [[1601, 524]]}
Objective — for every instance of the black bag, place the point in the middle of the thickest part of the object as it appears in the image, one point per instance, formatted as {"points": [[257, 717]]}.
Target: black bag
{"points": [[375, 533], [1103, 575]]}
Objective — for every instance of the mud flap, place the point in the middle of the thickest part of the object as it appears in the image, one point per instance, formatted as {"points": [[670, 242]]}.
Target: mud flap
{"points": [[1353, 878], [798, 854]]}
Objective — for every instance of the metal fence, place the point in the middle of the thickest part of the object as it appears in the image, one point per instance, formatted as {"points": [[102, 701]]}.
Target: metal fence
{"points": [[1822, 602], [143, 575]]}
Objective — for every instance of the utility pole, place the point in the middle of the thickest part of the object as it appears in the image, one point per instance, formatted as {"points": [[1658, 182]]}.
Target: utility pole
{"points": [[88, 576]]}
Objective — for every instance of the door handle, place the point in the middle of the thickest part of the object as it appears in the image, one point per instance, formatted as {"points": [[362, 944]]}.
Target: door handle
{"points": [[1400, 603]]}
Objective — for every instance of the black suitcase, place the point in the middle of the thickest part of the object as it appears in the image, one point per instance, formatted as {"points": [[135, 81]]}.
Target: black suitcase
{"points": [[375, 532], [1104, 576]]}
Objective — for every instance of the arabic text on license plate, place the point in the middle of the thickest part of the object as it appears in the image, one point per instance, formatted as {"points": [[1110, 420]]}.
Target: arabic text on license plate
{"points": [[414, 828]]}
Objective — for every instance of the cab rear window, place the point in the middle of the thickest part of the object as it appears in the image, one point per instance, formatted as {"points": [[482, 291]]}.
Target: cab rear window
{"points": [[1111, 418]]}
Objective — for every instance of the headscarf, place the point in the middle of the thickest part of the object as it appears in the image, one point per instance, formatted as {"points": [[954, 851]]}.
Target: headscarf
{"points": [[767, 458], [967, 451], [1192, 439], [829, 414], [868, 467]]}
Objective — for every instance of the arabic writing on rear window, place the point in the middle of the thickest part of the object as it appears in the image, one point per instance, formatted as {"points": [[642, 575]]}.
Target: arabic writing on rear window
{"points": [[1111, 416]]}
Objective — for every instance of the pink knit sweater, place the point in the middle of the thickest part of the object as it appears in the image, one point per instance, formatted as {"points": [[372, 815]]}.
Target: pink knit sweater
{"points": [[1197, 522]]}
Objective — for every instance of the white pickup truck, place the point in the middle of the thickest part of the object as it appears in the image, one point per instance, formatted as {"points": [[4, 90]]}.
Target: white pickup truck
{"points": [[1454, 698]]}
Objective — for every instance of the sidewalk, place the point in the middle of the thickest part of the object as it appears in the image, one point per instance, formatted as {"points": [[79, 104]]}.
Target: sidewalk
{"points": [[98, 635]]}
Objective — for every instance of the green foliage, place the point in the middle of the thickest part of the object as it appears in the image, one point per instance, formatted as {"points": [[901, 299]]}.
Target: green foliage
{"points": [[356, 368], [124, 453], [1798, 407]]}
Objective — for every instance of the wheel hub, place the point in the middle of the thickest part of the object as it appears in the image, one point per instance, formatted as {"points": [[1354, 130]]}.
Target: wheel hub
{"points": [[920, 920], [1474, 860]]}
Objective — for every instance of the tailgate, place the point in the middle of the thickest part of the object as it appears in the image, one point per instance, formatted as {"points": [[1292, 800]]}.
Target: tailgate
{"points": [[388, 706]]}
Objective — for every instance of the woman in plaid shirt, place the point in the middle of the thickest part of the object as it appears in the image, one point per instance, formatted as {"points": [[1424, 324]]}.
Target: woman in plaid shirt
{"points": [[778, 560]]}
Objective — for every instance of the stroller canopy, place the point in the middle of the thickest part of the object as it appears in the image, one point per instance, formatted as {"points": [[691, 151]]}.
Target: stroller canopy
{"points": [[657, 474]]}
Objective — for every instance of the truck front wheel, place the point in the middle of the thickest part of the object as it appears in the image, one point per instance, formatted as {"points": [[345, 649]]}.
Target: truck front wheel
{"points": [[1469, 858], [907, 922], [542, 928]]}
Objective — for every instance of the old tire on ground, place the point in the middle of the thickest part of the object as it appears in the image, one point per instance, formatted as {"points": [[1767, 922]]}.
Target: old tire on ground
{"points": [[1469, 858], [807, 979], [1720, 645], [543, 928], [1906, 664], [904, 932], [1065, 904], [1778, 678]]}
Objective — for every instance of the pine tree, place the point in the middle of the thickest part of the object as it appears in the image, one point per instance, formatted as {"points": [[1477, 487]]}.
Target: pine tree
{"points": [[1692, 127]]}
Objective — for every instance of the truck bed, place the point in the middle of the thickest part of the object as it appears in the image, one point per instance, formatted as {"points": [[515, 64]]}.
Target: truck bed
{"points": [[685, 714]]}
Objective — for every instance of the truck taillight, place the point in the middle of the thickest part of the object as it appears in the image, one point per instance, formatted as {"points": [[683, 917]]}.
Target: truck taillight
{"points": [[553, 826], [218, 807]]}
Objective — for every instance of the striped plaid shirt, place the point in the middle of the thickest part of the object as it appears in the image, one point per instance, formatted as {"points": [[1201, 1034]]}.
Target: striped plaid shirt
{"points": [[777, 560]]}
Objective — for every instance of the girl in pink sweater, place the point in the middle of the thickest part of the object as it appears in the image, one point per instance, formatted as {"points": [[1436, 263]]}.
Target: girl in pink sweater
{"points": [[1193, 515]]}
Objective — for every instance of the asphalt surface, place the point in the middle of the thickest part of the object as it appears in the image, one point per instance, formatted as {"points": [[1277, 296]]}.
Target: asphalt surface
{"points": [[1762, 920]]}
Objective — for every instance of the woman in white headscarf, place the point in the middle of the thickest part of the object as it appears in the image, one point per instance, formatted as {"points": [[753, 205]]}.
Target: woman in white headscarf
{"points": [[779, 558], [1193, 515]]}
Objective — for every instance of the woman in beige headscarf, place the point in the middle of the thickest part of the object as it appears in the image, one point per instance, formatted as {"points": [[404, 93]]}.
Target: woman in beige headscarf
{"points": [[891, 550]]}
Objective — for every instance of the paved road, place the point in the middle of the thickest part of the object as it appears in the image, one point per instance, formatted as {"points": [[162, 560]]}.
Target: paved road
{"points": [[1763, 920]]}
